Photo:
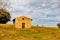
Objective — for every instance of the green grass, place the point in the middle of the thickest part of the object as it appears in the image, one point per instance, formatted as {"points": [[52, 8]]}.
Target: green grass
{"points": [[34, 33]]}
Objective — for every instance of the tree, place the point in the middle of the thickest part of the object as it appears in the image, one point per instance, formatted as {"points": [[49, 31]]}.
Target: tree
{"points": [[58, 25], [4, 16]]}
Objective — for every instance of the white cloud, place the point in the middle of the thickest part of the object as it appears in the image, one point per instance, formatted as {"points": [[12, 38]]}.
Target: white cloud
{"points": [[23, 7], [21, 2], [54, 5], [55, 0], [43, 4]]}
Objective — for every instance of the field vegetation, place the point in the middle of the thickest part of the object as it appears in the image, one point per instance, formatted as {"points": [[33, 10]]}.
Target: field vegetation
{"points": [[9, 32]]}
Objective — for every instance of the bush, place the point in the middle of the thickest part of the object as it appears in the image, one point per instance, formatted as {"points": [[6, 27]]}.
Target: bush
{"points": [[4, 16], [58, 25]]}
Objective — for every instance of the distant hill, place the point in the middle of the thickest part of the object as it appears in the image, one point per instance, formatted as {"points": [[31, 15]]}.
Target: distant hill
{"points": [[34, 33]]}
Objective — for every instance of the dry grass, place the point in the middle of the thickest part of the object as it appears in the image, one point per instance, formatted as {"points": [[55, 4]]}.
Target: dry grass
{"points": [[34, 33]]}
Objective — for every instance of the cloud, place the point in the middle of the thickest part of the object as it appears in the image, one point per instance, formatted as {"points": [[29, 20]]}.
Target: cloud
{"points": [[41, 11]]}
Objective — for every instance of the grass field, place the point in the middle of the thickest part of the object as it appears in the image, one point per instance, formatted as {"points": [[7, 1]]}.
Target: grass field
{"points": [[34, 33]]}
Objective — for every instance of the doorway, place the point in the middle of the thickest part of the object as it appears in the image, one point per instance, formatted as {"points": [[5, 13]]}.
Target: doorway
{"points": [[23, 25]]}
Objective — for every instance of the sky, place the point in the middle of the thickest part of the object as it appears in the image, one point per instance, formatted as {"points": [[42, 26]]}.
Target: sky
{"points": [[43, 12]]}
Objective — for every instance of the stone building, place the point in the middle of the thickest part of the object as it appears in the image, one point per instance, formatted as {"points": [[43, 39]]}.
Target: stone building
{"points": [[22, 22]]}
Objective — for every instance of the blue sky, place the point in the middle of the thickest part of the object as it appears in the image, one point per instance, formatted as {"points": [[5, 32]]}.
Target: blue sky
{"points": [[43, 12]]}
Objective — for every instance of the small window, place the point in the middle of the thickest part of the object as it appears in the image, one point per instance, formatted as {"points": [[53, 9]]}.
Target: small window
{"points": [[22, 18]]}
